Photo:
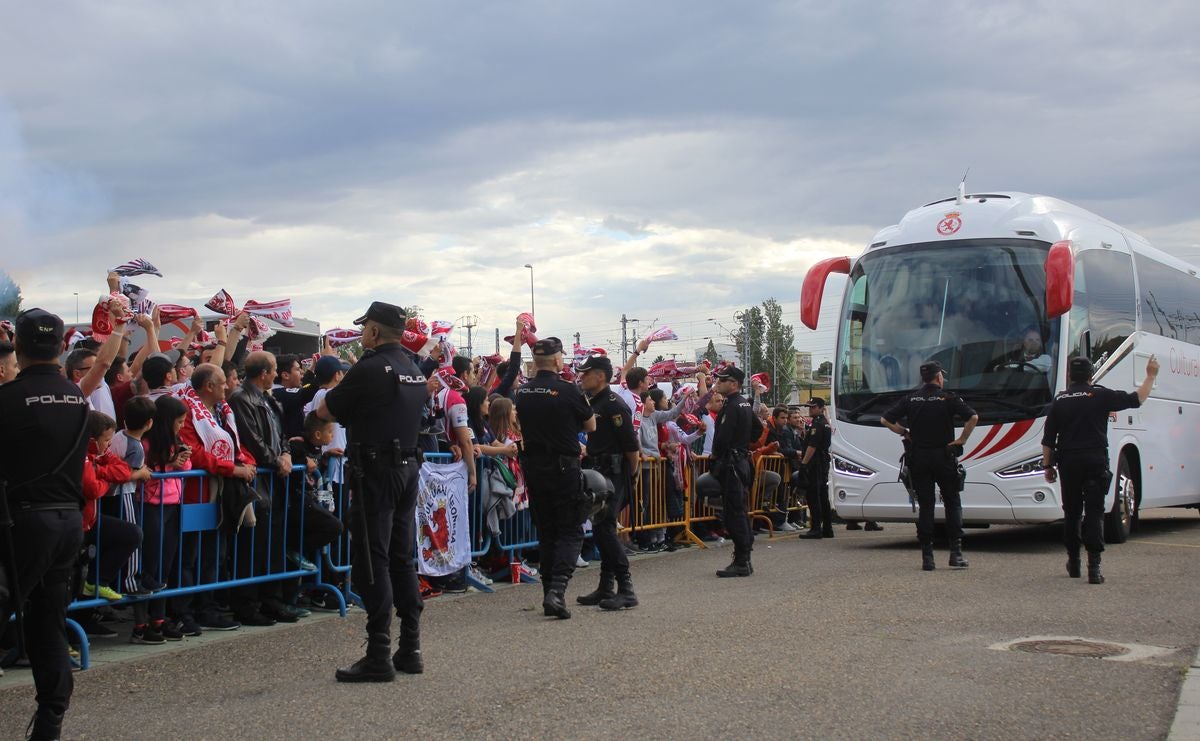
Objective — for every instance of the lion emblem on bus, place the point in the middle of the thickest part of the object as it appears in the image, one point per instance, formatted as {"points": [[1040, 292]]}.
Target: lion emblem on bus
{"points": [[950, 224]]}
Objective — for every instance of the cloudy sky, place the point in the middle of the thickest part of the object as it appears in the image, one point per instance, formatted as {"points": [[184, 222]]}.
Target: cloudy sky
{"points": [[671, 161]]}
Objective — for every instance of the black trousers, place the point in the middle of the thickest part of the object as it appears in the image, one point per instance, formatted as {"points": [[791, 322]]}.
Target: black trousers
{"points": [[930, 466], [733, 512], [604, 528], [115, 542], [1085, 479], [389, 499], [160, 548], [46, 544], [817, 495], [554, 498]]}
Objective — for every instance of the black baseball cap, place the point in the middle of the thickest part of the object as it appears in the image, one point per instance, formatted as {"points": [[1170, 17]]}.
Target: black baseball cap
{"points": [[389, 315], [548, 346], [930, 370], [732, 371], [1080, 368], [816, 401], [39, 328], [327, 367], [596, 362]]}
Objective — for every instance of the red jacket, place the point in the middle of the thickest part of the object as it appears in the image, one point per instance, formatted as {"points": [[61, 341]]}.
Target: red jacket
{"points": [[100, 472], [194, 489]]}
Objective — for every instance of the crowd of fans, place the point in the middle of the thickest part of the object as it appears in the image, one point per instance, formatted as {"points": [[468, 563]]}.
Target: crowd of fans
{"points": [[219, 403]]}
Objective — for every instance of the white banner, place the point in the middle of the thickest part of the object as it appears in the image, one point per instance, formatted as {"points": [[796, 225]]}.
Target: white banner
{"points": [[443, 525]]}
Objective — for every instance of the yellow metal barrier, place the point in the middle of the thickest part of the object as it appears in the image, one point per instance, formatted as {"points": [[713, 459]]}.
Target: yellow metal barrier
{"points": [[648, 507]]}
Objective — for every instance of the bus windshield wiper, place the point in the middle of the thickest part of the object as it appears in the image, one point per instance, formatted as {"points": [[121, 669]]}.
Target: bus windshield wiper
{"points": [[884, 396]]}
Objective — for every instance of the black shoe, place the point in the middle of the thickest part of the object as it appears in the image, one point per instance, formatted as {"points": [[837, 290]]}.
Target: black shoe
{"points": [[553, 605], [927, 563], [606, 590], [169, 631], [95, 629], [323, 602], [737, 568], [957, 561], [189, 627], [216, 621], [812, 535], [1094, 575], [827, 533], [408, 662], [854, 526], [874, 526], [375, 666], [624, 599], [146, 635], [1073, 566], [455, 586], [255, 619]]}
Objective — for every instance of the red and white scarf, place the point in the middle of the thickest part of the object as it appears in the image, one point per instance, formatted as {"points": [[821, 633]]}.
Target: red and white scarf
{"points": [[220, 443], [277, 311]]}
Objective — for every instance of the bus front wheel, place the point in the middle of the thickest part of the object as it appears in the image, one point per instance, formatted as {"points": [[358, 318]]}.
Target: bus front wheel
{"points": [[1119, 522]]}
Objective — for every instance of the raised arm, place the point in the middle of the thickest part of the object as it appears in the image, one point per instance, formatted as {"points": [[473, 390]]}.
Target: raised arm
{"points": [[106, 354], [149, 323]]}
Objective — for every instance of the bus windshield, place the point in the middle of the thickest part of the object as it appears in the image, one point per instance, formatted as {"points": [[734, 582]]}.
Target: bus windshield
{"points": [[975, 306]]}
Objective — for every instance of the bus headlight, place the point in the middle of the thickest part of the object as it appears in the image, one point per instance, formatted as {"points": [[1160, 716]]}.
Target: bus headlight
{"points": [[1031, 467], [850, 468]]}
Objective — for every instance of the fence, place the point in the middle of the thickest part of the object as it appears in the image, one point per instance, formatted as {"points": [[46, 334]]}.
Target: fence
{"points": [[205, 556]]}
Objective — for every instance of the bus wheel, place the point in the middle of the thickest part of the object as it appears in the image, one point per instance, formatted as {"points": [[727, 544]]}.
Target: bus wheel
{"points": [[1119, 521]]}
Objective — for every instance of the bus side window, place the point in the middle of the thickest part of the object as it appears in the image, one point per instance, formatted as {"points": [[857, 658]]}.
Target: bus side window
{"points": [[1111, 301]]}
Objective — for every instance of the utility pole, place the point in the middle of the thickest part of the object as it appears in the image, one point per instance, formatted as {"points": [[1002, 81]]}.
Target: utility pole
{"points": [[624, 340], [469, 323], [747, 355], [497, 340]]}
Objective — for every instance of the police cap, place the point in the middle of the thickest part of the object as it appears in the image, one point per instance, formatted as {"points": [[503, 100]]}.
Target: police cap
{"points": [[389, 315], [816, 401], [39, 328], [731, 371], [930, 370], [548, 346], [598, 362], [1080, 369]]}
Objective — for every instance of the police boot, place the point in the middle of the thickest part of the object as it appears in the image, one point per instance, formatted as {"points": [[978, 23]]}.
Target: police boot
{"points": [[554, 604], [624, 598], [956, 558], [739, 567], [374, 667], [606, 590], [1073, 563], [407, 658], [1094, 575], [45, 725], [927, 557]]}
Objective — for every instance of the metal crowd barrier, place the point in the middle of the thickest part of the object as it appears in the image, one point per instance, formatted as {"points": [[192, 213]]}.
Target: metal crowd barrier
{"points": [[760, 503]]}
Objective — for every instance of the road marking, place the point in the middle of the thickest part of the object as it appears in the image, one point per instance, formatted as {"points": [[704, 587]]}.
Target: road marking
{"points": [[1169, 545]]}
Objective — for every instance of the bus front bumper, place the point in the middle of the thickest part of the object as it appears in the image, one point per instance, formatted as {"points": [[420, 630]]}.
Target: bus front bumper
{"points": [[1030, 500]]}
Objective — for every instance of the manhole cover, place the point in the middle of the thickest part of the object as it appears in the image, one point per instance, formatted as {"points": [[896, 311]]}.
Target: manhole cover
{"points": [[1086, 649]]}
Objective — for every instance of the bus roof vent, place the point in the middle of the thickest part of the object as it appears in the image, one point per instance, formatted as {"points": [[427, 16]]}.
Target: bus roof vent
{"points": [[1026, 233], [877, 244]]}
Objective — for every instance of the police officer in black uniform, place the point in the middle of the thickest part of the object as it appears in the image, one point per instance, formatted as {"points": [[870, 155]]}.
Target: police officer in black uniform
{"points": [[816, 468], [552, 413], [613, 451], [44, 418], [932, 452], [380, 402], [737, 426], [1076, 440]]}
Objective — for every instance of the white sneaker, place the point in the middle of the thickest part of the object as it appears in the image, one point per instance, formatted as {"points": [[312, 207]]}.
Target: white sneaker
{"points": [[478, 575], [786, 527], [580, 563]]}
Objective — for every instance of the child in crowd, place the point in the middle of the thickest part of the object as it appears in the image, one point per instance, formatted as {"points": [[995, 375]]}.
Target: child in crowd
{"points": [[127, 445], [321, 525], [113, 538], [159, 512]]}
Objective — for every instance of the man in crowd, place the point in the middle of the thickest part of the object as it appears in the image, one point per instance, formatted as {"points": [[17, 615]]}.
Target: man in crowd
{"points": [[8, 362], [260, 429], [287, 394]]}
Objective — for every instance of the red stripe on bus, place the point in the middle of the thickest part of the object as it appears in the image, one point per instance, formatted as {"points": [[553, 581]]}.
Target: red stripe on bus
{"points": [[1014, 434], [983, 443]]}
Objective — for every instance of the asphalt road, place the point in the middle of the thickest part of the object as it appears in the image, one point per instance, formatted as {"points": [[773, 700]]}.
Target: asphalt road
{"points": [[842, 638]]}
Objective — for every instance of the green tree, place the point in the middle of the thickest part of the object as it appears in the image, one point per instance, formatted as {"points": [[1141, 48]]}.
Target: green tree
{"points": [[710, 353], [779, 354], [751, 333], [10, 297], [825, 368]]}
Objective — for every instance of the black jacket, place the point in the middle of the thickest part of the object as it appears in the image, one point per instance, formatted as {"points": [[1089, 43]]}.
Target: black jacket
{"points": [[260, 424]]}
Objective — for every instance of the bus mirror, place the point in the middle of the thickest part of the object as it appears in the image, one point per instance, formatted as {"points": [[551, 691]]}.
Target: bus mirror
{"points": [[1060, 279], [814, 288]]}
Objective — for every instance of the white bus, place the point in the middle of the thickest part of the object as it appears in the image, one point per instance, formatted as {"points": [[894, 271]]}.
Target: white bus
{"points": [[1002, 289]]}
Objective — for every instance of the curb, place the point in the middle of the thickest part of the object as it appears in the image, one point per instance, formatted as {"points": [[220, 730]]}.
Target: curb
{"points": [[1187, 713]]}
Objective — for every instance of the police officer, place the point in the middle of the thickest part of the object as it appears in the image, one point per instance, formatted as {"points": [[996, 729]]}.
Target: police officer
{"points": [[932, 452], [613, 451], [380, 402], [44, 443], [737, 426], [1076, 440], [816, 468], [552, 413]]}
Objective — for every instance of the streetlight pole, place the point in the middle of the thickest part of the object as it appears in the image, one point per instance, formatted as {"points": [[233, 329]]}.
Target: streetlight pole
{"points": [[77, 307], [532, 309]]}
